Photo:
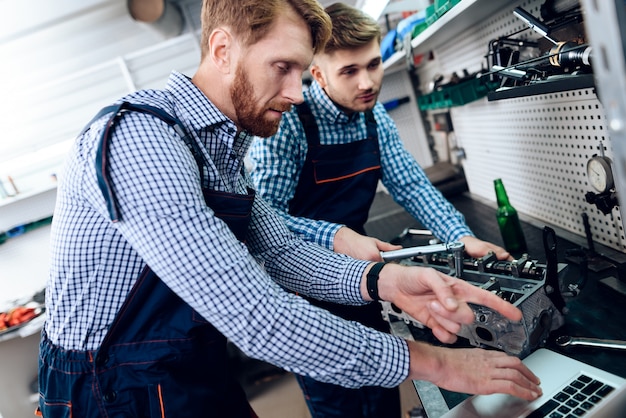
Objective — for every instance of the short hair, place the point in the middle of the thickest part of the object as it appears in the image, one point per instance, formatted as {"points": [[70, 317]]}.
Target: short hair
{"points": [[251, 20], [352, 28]]}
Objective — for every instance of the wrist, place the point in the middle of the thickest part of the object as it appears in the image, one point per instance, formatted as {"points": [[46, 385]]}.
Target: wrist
{"points": [[425, 361], [372, 277], [390, 281], [386, 282], [339, 238]]}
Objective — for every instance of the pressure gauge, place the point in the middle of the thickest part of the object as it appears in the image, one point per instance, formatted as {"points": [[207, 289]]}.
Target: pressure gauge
{"points": [[599, 173]]}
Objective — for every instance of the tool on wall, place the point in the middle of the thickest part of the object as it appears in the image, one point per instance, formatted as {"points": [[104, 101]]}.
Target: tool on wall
{"points": [[533, 23], [552, 286], [588, 258], [600, 177], [519, 62]]}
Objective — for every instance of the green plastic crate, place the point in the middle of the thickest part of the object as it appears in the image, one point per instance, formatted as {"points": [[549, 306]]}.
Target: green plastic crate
{"points": [[442, 6], [431, 15], [456, 95]]}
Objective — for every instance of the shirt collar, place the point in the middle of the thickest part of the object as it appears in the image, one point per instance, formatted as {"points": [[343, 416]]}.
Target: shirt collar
{"points": [[198, 112], [326, 108]]}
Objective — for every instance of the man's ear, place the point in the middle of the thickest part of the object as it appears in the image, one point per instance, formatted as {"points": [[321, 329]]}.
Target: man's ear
{"points": [[318, 75], [220, 49]]}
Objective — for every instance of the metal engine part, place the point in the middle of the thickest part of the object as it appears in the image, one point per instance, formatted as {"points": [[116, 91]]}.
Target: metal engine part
{"points": [[520, 282]]}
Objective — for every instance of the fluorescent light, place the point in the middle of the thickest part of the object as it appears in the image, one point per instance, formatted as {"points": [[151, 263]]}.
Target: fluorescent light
{"points": [[373, 8]]}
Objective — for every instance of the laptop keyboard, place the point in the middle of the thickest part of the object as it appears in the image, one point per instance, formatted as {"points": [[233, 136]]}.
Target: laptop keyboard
{"points": [[574, 400]]}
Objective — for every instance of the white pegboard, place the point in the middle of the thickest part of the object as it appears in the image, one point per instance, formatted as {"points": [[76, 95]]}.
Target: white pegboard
{"points": [[539, 145]]}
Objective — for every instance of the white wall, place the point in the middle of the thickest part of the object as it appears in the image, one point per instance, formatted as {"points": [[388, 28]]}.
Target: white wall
{"points": [[62, 61]]}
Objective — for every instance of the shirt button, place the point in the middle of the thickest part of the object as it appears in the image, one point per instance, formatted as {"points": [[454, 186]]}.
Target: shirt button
{"points": [[110, 396]]}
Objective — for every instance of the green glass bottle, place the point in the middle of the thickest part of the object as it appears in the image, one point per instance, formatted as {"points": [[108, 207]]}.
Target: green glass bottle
{"points": [[508, 221]]}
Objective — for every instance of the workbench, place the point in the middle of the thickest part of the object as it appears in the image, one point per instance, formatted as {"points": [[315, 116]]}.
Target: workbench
{"points": [[598, 311]]}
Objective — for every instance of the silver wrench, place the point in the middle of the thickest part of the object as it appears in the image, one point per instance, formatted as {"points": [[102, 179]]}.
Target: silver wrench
{"points": [[456, 247], [566, 340]]}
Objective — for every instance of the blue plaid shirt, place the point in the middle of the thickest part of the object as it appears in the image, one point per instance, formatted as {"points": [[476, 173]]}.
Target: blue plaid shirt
{"points": [[166, 224], [277, 163]]}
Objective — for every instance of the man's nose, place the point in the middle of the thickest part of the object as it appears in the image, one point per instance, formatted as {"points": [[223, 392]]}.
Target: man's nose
{"points": [[365, 81], [293, 89]]}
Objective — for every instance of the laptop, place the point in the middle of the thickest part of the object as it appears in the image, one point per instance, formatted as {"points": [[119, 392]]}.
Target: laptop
{"points": [[570, 389]]}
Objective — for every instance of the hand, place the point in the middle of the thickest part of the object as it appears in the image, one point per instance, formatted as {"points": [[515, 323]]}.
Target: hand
{"points": [[437, 300], [359, 246], [478, 248], [472, 371]]}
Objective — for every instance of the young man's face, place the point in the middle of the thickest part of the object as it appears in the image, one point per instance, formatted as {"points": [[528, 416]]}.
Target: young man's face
{"points": [[351, 77], [268, 79]]}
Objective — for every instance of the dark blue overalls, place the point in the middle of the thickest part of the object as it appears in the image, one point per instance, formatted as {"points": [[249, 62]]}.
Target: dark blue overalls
{"points": [[338, 184], [160, 358]]}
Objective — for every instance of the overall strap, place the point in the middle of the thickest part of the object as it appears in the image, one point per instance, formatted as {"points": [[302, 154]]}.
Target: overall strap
{"points": [[370, 123], [311, 130], [117, 111]]}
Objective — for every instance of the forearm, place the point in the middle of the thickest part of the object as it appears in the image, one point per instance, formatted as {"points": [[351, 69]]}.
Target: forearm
{"points": [[351, 354], [313, 271], [319, 232], [425, 362], [300, 266], [410, 187], [277, 189]]}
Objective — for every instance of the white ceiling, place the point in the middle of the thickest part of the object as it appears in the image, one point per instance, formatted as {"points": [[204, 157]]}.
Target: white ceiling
{"points": [[20, 18]]}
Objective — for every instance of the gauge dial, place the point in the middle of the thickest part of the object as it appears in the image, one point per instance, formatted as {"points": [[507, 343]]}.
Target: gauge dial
{"points": [[599, 173]]}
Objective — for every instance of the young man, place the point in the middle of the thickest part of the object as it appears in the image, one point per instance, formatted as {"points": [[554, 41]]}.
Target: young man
{"points": [[321, 170], [161, 252]]}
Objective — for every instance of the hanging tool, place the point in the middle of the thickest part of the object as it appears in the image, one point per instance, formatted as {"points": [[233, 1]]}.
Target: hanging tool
{"points": [[552, 286], [592, 260]]}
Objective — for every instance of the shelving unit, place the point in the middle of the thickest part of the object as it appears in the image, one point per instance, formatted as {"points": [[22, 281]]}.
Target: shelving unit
{"points": [[459, 18], [27, 207], [537, 139]]}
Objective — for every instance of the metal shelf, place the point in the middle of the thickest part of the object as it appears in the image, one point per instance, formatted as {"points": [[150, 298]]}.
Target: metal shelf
{"points": [[458, 19], [552, 85]]}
